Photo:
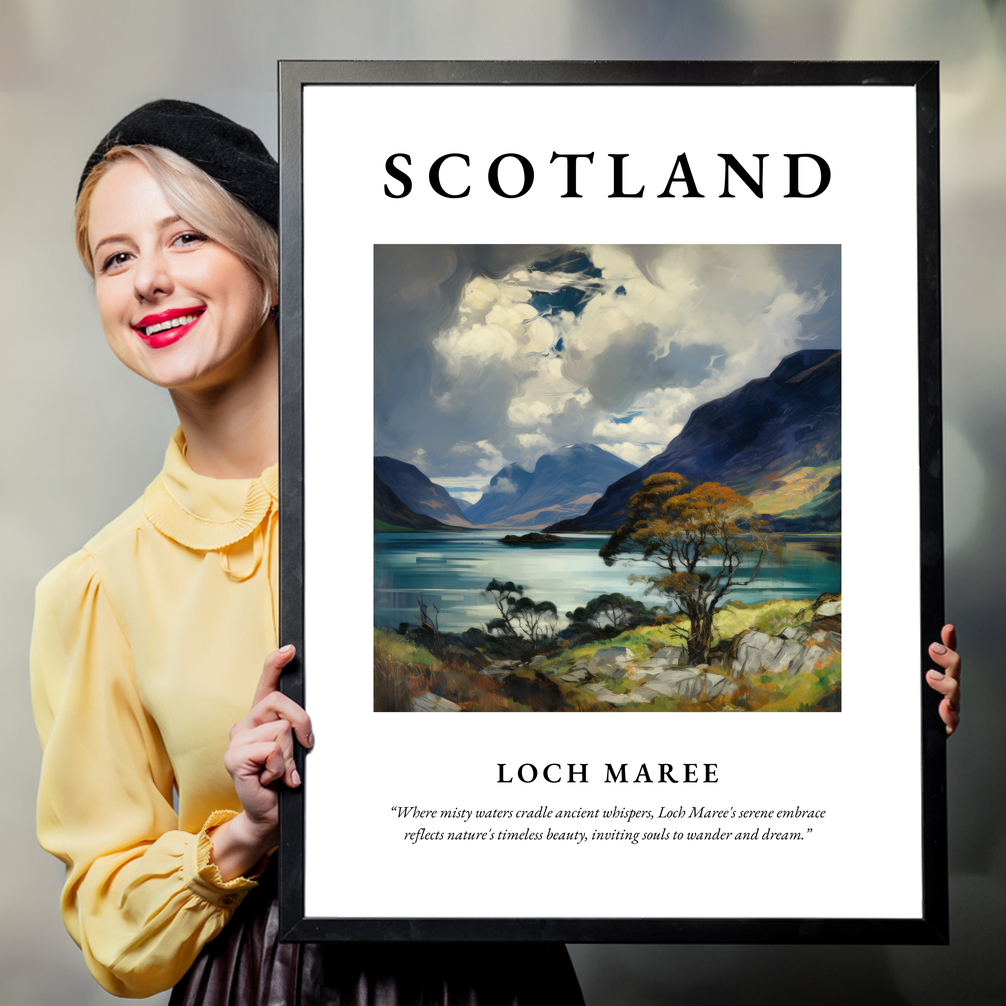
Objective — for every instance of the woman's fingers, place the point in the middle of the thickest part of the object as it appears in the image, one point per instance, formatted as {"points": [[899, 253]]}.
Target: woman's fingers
{"points": [[278, 735], [949, 710], [947, 680], [277, 706], [271, 671], [949, 636], [270, 703], [260, 761]]}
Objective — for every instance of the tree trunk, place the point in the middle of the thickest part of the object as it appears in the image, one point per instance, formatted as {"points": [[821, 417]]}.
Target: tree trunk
{"points": [[700, 638]]}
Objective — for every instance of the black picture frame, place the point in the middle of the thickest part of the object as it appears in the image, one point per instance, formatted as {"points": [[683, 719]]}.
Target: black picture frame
{"points": [[931, 926]]}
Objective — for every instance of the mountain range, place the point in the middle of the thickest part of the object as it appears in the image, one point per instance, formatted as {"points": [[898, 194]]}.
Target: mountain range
{"points": [[390, 510], [777, 440], [562, 484], [418, 493]]}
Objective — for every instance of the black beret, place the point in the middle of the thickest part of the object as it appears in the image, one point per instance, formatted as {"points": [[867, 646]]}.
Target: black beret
{"points": [[230, 154]]}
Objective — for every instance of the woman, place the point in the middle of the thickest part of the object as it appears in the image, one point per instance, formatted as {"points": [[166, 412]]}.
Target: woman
{"points": [[149, 642]]}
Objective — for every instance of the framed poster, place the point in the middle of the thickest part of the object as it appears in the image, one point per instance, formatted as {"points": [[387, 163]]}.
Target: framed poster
{"points": [[650, 357]]}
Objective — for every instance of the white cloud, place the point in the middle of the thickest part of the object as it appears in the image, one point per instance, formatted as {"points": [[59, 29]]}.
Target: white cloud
{"points": [[687, 325], [635, 454], [536, 443], [502, 487], [639, 430], [483, 456], [480, 343]]}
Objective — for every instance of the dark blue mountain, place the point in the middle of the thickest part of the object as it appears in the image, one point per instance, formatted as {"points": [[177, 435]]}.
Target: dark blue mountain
{"points": [[418, 493], [390, 511], [777, 440]]}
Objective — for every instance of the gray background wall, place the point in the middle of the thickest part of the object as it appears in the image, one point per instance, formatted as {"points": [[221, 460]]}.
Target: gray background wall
{"points": [[82, 436]]}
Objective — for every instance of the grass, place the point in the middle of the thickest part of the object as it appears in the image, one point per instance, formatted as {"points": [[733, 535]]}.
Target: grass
{"points": [[818, 691], [404, 669]]}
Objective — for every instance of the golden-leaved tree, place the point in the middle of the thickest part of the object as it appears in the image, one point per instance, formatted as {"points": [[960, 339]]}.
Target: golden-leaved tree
{"points": [[699, 541]]}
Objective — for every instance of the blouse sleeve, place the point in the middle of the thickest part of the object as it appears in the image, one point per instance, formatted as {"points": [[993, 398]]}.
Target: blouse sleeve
{"points": [[141, 898]]}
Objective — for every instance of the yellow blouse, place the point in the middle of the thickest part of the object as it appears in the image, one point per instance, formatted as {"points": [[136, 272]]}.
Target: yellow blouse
{"points": [[147, 647]]}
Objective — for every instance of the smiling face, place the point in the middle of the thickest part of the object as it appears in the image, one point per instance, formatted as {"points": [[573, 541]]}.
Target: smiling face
{"points": [[177, 307]]}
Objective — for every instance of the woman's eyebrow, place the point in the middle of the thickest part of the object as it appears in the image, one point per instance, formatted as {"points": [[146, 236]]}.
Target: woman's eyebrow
{"points": [[160, 225]]}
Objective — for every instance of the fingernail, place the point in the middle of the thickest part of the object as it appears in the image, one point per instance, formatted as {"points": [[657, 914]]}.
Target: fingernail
{"points": [[938, 648], [286, 649], [937, 675], [310, 740], [295, 777]]}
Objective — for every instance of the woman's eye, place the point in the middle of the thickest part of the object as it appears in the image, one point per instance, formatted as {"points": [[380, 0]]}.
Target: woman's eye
{"points": [[190, 238], [114, 261]]}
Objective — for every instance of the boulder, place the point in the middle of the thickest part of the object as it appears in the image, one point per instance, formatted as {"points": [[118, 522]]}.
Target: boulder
{"points": [[499, 669], [718, 684], [830, 608], [633, 672], [609, 659], [576, 675], [793, 652], [537, 661], [643, 694], [691, 683], [606, 695], [669, 656], [428, 702]]}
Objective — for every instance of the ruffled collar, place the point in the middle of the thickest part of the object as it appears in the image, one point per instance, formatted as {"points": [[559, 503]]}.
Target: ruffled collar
{"points": [[203, 513]]}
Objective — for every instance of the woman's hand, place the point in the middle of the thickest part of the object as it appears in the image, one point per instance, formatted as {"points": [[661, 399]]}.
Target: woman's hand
{"points": [[260, 753], [947, 682]]}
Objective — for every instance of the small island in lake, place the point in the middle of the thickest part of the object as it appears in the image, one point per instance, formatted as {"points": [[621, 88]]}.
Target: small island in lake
{"points": [[533, 538]]}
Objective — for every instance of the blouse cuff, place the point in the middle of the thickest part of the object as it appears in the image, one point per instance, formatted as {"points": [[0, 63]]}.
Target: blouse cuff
{"points": [[202, 876]]}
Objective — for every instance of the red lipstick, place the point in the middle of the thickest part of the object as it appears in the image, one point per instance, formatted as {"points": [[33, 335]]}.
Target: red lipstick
{"points": [[166, 325]]}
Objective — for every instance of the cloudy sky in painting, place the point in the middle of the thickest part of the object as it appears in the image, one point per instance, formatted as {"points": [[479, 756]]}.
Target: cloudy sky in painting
{"points": [[487, 355]]}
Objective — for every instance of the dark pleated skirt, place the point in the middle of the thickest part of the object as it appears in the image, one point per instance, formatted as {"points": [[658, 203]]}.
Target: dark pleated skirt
{"points": [[246, 965]]}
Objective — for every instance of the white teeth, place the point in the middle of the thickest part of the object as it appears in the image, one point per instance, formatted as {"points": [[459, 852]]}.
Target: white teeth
{"points": [[173, 323]]}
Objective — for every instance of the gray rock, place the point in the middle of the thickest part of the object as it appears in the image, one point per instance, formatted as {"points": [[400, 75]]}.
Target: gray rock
{"points": [[499, 669], [609, 659], [830, 608], [669, 656], [718, 684], [811, 659], [538, 660], [690, 683], [665, 688], [606, 695], [799, 653], [430, 703], [576, 675], [675, 674], [760, 653], [691, 688], [626, 670], [643, 694]]}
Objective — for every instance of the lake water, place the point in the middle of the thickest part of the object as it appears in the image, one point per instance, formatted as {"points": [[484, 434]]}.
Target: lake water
{"points": [[452, 569]]}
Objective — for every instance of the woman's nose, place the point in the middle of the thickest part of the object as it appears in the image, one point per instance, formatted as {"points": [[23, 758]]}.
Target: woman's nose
{"points": [[152, 277]]}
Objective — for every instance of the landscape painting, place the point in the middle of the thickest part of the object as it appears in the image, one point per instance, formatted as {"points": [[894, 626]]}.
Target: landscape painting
{"points": [[607, 478]]}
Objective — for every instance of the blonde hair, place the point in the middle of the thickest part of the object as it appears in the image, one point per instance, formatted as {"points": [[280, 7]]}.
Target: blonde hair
{"points": [[199, 200]]}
